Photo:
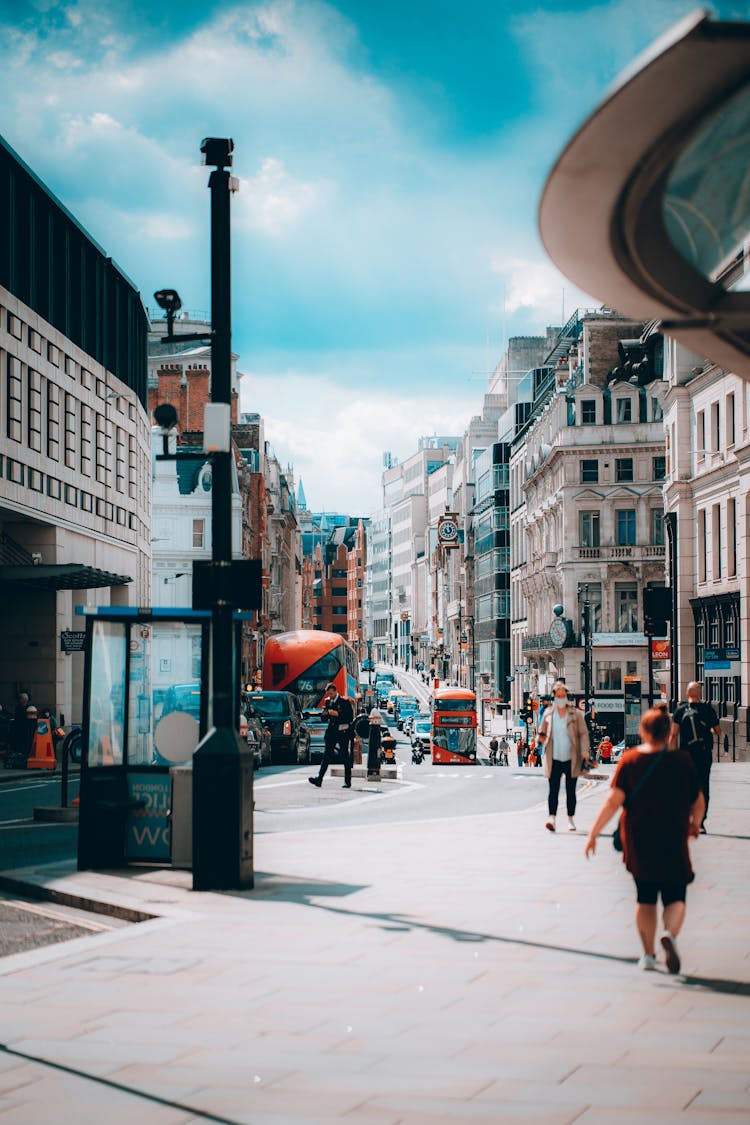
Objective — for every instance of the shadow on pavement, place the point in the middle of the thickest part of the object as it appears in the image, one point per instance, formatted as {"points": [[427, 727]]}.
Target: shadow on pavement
{"points": [[284, 889], [716, 984]]}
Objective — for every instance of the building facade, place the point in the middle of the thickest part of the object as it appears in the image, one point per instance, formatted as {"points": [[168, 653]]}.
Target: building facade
{"points": [[75, 485]]}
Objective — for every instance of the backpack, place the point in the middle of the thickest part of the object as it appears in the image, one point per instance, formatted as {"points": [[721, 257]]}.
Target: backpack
{"points": [[695, 734]]}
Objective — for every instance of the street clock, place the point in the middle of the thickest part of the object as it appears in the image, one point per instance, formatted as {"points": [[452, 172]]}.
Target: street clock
{"points": [[558, 632], [448, 532]]}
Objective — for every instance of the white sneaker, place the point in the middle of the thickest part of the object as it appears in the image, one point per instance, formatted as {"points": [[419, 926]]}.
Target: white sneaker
{"points": [[647, 962], [571, 824], [669, 945], [550, 824]]}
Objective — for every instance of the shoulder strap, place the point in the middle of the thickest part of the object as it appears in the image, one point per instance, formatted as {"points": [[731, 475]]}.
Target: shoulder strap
{"points": [[646, 776]]}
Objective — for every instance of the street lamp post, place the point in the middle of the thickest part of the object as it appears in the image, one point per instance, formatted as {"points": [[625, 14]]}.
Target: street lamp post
{"points": [[222, 765], [586, 607]]}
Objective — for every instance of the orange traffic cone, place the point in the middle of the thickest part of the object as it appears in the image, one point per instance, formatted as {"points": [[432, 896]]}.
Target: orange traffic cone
{"points": [[42, 756]]}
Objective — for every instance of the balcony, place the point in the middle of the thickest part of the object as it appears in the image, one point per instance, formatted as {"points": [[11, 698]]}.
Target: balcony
{"points": [[646, 552]]}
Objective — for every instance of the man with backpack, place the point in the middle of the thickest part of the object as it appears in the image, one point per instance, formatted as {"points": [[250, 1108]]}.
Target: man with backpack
{"points": [[696, 723]]}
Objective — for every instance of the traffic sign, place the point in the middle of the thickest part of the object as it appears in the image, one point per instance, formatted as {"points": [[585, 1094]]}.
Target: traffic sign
{"points": [[510, 679]]}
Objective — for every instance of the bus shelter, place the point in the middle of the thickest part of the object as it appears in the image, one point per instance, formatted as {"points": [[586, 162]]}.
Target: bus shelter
{"points": [[145, 709]]}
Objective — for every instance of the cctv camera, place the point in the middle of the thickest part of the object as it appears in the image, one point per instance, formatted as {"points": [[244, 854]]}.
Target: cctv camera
{"points": [[168, 299]]}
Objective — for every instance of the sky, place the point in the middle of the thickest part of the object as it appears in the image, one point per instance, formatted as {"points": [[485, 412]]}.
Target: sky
{"points": [[391, 155]]}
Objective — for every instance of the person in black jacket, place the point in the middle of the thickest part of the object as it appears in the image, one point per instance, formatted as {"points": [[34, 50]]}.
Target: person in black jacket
{"points": [[340, 714], [696, 736]]}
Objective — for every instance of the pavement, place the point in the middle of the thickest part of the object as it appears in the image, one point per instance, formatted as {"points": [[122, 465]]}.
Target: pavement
{"points": [[473, 969]]}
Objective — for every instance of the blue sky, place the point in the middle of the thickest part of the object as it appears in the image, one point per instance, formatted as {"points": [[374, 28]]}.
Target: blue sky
{"points": [[391, 157]]}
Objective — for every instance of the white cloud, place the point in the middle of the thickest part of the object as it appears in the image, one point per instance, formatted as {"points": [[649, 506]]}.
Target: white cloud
{"points": [[335, 437], [272, 201]]}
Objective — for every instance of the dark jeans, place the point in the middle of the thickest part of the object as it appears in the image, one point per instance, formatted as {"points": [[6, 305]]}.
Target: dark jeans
{"points": [[559, 770], [337, 750], [702, 760]]}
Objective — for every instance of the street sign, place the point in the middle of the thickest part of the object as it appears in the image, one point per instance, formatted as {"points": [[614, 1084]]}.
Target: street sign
{"points": [[510, 679], [72, 640]]}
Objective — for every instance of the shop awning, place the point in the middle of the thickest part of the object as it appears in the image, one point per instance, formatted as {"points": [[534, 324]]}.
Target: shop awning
{"points": [[62, 576]]}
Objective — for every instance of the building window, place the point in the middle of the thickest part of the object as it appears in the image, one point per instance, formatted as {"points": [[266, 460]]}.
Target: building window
{"points": [[71, 495], [14, 399], [36, 480], [716, 542], [35, 411], [54, 488], [624, 409], [101, 450], [70, 431], [53, 422], [626, 607], [730, 421], [589, 472], [714, 427], [631, 667], [700, 425], [657, 527], [608, 676], [659, 468], [87, 439], [702, 552], [624, 468], [199, 533], [338, 591], [593, 592], [625, 527], [588, 412], [731, 537], [657, 414], [588, 523]]}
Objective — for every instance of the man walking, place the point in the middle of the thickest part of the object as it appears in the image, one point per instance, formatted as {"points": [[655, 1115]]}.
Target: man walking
{"points": [[340, 714], [696, 723], [564, 736]]}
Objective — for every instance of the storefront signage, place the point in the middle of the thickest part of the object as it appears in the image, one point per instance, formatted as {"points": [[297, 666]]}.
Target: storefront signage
{"points": [[609, 706], [72, 640], [660, 649]]}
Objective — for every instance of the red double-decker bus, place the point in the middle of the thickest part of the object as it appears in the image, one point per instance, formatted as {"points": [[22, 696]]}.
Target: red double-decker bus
{"points": [[305, 660], [454, 727]]}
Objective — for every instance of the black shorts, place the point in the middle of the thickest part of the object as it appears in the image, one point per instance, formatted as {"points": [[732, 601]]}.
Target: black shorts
{"points": [[648, 893]]}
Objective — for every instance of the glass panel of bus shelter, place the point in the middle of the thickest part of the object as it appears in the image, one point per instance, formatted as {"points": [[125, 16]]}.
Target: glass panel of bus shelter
{"points": [[165, 692], [107, 706]]}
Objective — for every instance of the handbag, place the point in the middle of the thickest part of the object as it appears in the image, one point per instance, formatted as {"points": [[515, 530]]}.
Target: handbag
{"points": [[616, 835]]}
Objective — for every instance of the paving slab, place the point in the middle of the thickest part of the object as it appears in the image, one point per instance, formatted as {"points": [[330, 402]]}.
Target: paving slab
{"points": [[489, 976]]}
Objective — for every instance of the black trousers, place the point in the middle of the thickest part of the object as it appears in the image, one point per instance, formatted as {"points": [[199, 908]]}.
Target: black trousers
{"points": [[337, 750], [560, 770], [702, 760]]}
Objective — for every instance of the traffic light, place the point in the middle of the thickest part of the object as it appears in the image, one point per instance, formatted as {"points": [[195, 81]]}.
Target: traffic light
{"points": [[657, 610], [527, 710]]}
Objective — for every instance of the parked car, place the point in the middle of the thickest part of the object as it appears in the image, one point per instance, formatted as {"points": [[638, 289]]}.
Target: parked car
{"points": [[257, 736], [421, 734], [281, 713], [316, 724]]}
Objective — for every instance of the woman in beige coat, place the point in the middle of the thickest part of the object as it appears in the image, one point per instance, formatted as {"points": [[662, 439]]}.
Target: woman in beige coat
{"points": [[564, 736]]}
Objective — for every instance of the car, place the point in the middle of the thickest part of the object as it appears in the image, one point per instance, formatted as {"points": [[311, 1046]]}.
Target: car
{"points": [[421, 734], [393, 695], [316, 724], [183, 697], [257, 736], [281, 713], [618, 750], [404, 705]]}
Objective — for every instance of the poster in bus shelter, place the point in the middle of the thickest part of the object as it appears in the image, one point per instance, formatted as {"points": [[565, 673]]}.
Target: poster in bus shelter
{"points": [[148, 826], [633, 706]]}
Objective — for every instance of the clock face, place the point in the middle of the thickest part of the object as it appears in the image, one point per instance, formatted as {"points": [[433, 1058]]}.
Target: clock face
{"points": [[448, 530], [558, 631]]}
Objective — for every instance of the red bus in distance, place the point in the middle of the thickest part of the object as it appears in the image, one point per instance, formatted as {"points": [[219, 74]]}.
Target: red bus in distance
{"points": [[454, 727], [305, 660]]}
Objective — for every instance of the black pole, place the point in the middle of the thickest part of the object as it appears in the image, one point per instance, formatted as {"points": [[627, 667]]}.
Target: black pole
{"points": [[587, 662], [650, 671], [222, 764]]}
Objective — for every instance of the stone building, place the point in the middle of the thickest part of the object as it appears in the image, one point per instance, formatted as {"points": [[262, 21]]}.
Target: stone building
{"points": [[587, 472], [707, 511]]}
